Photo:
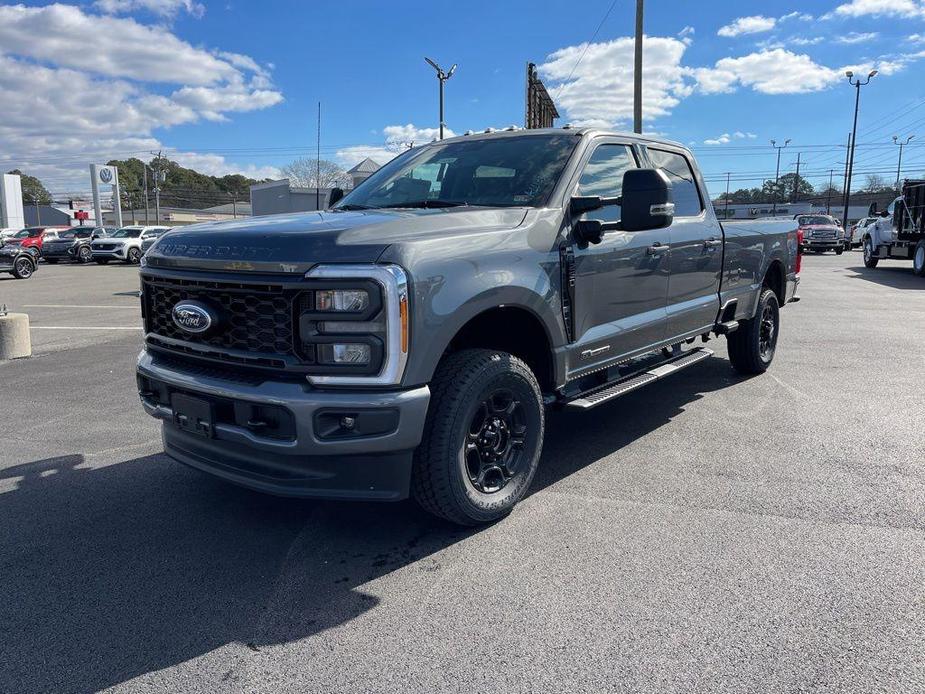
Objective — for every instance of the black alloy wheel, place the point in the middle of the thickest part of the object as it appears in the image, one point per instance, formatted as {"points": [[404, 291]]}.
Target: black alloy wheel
{"points": [[493, 449]]}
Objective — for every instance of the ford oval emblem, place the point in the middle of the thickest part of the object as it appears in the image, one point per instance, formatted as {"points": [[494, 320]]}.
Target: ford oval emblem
{"points": [[192, 317]]}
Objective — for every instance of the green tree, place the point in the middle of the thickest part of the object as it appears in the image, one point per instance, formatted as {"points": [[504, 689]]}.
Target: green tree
{"points": [[33, 192]]}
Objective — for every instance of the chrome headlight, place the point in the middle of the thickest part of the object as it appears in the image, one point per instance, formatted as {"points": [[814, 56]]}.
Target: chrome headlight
{"points": [[353, 325]]}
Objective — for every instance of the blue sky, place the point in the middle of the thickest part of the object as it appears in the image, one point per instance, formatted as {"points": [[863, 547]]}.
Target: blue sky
{"points": [[234, 85]]}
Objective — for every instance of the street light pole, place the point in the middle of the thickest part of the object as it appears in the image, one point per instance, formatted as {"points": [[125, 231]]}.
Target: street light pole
{"points": [[899, 165], [637, 72], [777, 172], [857, 84], [828, 194], [442, 77]]}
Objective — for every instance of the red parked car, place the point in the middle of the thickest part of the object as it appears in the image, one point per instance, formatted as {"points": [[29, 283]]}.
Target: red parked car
{"points": [[32, 238]]}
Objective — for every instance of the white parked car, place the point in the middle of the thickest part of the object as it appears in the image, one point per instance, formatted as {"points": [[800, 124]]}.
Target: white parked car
{"points": [[124, 244], [858, 229], [6, 233]]}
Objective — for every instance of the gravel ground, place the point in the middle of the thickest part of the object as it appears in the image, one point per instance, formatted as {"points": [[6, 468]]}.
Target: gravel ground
{"points": [[707, 533]]}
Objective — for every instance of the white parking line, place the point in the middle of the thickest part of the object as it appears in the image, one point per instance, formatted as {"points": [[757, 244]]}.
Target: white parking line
{"points": [[83, 327], [131, 305]]}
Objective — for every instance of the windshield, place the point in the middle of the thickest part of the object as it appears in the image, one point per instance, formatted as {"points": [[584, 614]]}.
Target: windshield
{"points": [[28, 234], [74, 233], [495, 172], [808, 219], [126, 233]]}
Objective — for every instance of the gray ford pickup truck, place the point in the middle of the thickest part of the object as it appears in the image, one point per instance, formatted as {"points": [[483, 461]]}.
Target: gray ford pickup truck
{"points": [[410, 340]]}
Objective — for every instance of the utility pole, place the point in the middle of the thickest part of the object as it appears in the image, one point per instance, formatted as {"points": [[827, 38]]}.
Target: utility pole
{"points": [[637, 71], [234, 206], [777, 171], [442, 77], [828, 194], [726, 212], [159, 177], [318, 162], [844, 179], [795, 197], [147, 206], [899, 165], [854, 135]]}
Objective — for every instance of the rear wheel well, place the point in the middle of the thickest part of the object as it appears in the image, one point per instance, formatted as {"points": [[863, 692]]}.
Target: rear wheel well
{"points": [[774, 280], [513, 330]]}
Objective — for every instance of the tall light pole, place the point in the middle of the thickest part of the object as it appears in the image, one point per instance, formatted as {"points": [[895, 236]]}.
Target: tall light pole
{"points": [[857, 84], [637, 72], [777, 171], [899, 165], [442, 77]]}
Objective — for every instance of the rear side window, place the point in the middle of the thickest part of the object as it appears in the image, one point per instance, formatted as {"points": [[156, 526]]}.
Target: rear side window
{"points": [[683, 186], [603, 175]]}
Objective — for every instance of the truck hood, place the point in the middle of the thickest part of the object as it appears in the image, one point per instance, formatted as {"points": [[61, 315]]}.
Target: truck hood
{"points": [[293, 243]]}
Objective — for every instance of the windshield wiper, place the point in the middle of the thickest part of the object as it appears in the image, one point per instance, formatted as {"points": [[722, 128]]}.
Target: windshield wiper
{"points": [[350, 207], [425, 204]]}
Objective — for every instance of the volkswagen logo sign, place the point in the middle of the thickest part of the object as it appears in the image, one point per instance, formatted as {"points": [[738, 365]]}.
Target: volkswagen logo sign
{"points": [[106, 175], [192, 317]]}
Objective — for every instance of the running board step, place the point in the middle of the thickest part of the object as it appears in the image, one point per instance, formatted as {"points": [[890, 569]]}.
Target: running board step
{"points": [[615, 390], [730, 326]]}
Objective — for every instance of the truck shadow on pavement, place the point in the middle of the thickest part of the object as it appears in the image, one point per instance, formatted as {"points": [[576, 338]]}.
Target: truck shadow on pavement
{"points": [[113, 572], [897, 276]]}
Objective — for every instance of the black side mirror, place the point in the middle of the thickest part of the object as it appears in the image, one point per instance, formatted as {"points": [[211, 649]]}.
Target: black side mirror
{"points": [[336, 195], [872, 210], [884, 214], [647, 200]]}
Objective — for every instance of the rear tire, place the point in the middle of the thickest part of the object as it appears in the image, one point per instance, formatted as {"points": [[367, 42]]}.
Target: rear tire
{"points": [[482, 437], [918, 259], [753, 345], [839, 251], [869, 259]]}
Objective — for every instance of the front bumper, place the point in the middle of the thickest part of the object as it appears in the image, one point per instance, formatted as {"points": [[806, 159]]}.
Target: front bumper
{"points": [[308, 463], [116, 254], [823, 244]]}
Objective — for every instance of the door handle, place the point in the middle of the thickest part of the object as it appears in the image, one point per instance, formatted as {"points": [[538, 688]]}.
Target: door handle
{"points": [[657, 248], [712, 242]]}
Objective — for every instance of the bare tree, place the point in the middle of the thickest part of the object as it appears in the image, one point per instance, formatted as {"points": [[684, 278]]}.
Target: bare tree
{"points": [[303, 173], [875, 184]]}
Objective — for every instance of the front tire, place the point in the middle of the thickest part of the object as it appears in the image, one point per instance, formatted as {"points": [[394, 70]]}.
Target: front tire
{"points": [[133, 257], [23, 269], [482, 437], [869, 259], [84, 255], [753, 345], [918, 259], [839, 251]]}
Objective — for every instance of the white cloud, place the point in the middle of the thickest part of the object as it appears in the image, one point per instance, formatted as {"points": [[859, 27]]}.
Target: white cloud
{"points": [[916, 38], [806, 41], [802, 16], [127, 48], [723, 139], [600, 90], [863, 8], [65, 107], [856, 37], [754, 24], [162, 8], [775, 71], [397, 138], [739, 135], [687, 35]]}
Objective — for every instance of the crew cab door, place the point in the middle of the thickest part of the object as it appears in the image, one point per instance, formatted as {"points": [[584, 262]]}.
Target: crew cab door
{"points": [[696, 257], [621, 284]]}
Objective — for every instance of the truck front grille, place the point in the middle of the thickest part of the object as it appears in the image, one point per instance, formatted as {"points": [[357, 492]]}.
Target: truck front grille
{"points": [[256, 319]]}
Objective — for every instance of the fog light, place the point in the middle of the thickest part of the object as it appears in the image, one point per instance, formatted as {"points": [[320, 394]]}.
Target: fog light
{"points": [[351, 353]]}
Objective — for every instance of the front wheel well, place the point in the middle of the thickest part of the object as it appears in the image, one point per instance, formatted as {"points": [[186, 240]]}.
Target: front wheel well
{"points": [[513, 330]]}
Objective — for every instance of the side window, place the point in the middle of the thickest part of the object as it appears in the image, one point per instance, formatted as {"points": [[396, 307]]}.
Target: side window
{"points": [[684, 188], [603, 175]]}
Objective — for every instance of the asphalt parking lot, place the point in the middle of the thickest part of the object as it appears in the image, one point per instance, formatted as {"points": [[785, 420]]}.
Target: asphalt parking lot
{"points": [[708, 533]]}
